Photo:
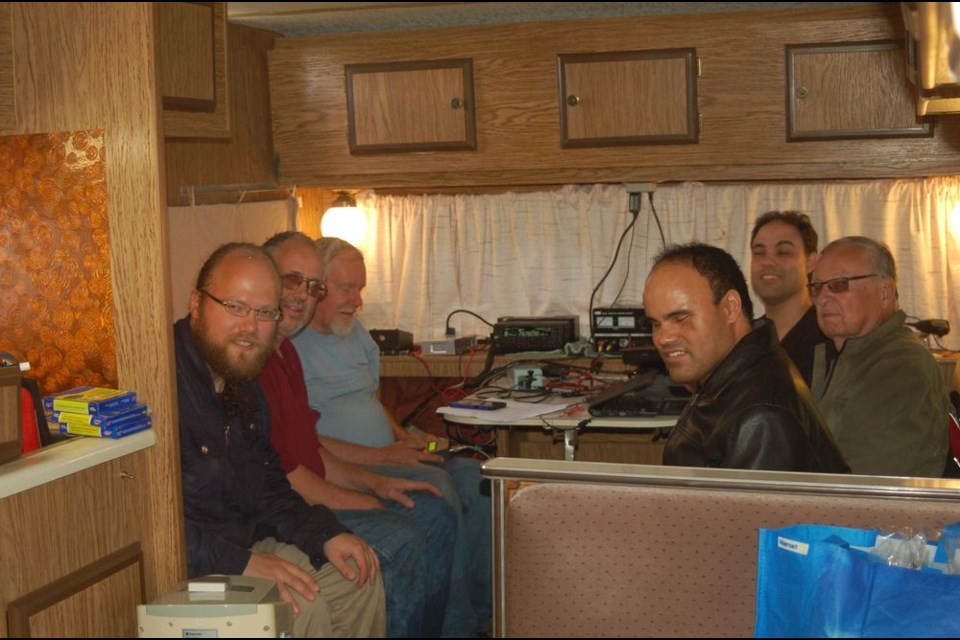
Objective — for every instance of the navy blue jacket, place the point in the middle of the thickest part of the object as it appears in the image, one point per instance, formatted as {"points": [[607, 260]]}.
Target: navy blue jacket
{"points": [[234, 491]]}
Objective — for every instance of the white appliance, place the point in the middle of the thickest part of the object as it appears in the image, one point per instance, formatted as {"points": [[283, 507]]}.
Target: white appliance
{"points": [[218, 607]]}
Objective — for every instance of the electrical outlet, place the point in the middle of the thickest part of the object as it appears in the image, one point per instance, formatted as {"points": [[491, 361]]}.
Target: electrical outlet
{"points": [[640, 187]]}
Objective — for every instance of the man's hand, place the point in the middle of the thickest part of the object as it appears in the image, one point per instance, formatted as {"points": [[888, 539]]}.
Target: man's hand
{"points": [[286, 574], [416, 439], [340, 548], [396, 489], [408, 451]]}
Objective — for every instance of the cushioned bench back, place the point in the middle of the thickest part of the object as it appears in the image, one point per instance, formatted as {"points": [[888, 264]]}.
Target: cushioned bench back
{"points": [[582, 560]]}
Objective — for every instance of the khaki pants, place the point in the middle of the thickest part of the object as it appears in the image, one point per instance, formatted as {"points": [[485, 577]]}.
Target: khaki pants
{"points": [[341, 609]]}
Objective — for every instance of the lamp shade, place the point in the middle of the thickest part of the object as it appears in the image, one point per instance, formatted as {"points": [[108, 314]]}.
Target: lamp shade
{"points": [[344, 220]]}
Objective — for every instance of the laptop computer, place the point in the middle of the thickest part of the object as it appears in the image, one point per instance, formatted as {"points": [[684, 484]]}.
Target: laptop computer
{"points": [[646, 394]]}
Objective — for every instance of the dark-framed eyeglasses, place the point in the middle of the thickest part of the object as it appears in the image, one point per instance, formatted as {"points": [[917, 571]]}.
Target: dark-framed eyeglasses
{"points": [[242, 310], [292, 281], [836, 285]]}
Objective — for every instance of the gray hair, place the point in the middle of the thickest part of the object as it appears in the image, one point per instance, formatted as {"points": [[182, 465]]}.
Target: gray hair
{"points": [[277, 240], [881, 258], [331, 248]]}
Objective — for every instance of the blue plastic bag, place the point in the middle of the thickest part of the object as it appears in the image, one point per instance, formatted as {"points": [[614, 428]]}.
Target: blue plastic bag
{"points": [[812, 582]]}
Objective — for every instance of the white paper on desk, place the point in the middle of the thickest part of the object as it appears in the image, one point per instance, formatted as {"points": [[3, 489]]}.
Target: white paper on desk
{"points": [[513, 412]]}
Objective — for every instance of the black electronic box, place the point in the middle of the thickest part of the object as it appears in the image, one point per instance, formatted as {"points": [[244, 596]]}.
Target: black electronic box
{"points": [[616, 329], [516, 335], [392, 342]]}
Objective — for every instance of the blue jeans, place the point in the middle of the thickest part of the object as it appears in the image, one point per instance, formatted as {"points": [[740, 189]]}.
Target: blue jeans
{"points": [[470, 605], [415, 547]]}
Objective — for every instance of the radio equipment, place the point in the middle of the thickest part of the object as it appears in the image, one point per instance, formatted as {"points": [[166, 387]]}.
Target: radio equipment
{"points": [[616, 329], [392, 342], [515, 335]]}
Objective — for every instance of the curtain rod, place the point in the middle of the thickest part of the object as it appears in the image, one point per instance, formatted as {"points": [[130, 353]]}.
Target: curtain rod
{"points": [[240, 189]]}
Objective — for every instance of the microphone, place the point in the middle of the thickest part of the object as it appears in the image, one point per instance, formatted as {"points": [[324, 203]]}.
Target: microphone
{"points": [[935, 326]]}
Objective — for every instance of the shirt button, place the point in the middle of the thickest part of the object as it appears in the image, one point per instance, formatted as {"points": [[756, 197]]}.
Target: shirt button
{"points": [[204, 449], [252, 427]]}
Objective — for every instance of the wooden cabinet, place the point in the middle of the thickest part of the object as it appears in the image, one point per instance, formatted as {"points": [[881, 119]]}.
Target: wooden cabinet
{"points": [[626, 98], [88, 579], [728, 98], [850, 90], [192, 69], [411, 106]]}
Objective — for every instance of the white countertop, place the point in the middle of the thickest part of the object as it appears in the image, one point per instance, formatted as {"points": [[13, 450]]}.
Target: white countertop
{"points": [[67, 457]]}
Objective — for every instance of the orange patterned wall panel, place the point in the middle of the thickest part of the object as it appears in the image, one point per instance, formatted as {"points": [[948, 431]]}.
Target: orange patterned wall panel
{"points": [[56, 303]]}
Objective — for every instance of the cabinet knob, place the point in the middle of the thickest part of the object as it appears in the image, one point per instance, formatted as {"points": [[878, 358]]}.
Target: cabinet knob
{"points": [[573, 101], [801, 93], [456, 103], [126, 475]]}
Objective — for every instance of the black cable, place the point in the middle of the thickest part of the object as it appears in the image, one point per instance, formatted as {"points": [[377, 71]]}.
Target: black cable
{"points": [[455, 311], [626, 275], [484, 375], [635, 212], [663, 239]]}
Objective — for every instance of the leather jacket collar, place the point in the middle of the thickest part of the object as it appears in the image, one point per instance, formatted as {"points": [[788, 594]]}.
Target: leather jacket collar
{"points": [[754, 346]]}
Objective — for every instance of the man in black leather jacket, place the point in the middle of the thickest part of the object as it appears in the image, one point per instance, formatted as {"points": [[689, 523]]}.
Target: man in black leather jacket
{"points": [[750, 408]]}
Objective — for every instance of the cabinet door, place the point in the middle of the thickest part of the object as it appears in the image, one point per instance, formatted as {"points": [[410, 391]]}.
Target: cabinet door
{"points": [[187, 78], [192, 69], [855, 90], [411, 106], [625, 98], [71, 558]]}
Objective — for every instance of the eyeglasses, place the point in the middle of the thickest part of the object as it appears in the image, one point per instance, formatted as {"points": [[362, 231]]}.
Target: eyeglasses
{"points": [[836, 285], [292, 281], [243, 310]]}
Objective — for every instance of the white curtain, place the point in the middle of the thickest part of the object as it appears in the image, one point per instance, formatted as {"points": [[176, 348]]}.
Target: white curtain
{"points": [[196, 231], [542, 253]]}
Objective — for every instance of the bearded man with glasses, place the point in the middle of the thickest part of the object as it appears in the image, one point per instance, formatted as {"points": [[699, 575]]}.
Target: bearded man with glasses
{"points": [[241, 515], [878, 387]]}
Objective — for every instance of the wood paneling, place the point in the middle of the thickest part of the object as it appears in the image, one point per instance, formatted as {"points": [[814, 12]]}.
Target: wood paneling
{"points": [[86, 66], [247, 157], [741, 94], [8, 112], [594, 445], [186, 53], [100, 598], [215, 124]]}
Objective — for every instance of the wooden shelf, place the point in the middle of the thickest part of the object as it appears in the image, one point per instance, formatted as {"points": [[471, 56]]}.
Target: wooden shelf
{"points": [[460, 366]]}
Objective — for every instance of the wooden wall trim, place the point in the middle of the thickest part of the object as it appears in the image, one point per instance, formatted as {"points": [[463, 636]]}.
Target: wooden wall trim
{"points": [[20, 610]]}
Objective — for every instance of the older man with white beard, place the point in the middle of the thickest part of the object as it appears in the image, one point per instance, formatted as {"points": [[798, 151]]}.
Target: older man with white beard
{"points": [[341, 365]]}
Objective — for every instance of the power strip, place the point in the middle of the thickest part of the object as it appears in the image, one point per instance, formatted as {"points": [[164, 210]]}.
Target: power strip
{"points": [[640, 187]]}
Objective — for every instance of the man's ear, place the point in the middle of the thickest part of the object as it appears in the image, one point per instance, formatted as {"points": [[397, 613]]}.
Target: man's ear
{"points": [[888, 293], [812, 259], [731, 305], [195, 296]]}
